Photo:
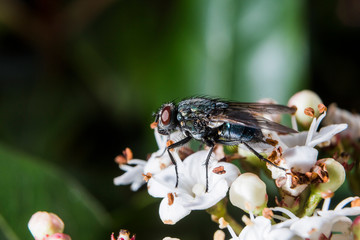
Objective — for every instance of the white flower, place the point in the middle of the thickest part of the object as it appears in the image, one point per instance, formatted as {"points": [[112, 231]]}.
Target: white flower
{"points": [[190, 193], [260, 228], [299, 151], [324, 224], [133, 174], [135, 168], [328, 223]]}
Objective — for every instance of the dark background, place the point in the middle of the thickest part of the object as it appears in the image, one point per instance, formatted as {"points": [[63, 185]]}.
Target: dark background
{"points": [[80, 80]]}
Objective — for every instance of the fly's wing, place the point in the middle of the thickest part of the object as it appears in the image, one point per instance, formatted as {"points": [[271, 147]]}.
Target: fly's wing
{"points": [[247, 114], [260, 108]]}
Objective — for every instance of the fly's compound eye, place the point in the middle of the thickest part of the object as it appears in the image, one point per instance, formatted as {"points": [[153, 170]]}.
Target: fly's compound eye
{"points": [[165, 115]]}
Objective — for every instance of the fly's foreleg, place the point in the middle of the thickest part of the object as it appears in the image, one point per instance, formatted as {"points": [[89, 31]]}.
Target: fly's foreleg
{"points": [[172, 146]]}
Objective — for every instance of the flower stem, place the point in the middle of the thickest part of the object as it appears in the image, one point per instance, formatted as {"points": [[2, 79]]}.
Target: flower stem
{"points": [[219, 210], [311, 203]]}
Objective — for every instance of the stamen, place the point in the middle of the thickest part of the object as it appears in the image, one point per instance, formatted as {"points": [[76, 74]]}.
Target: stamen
{"points": [[170, 198], [320, 118], [153, 125], [224, 224], [344, 202], [252, 218], [326, 204], [281, 218], [294, 123], [311, 131], [219, 170], [322, 108], [128, 154], [147, 176], [120, 159], [309, 111], [284, 210], [355, 203], [267, 213]]}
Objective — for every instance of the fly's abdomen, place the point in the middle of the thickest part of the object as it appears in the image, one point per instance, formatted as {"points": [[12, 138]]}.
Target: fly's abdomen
{"points": [[237, 133]]}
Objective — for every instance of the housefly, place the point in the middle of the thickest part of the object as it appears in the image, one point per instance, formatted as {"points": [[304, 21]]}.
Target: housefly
{"points": [[214, 121]]}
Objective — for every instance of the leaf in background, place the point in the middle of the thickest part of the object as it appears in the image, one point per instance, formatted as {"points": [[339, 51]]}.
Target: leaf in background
{"points": [[28, 185]]}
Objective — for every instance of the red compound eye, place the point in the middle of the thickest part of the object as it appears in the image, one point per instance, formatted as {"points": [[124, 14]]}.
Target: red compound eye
{"points": [[165, 115]]}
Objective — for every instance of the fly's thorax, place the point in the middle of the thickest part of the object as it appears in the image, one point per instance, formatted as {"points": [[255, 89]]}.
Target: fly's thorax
{"points": [[200, 107]]}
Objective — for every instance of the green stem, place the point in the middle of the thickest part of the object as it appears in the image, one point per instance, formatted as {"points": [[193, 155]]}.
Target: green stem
{"points": [[311, 203], [219, 211]]}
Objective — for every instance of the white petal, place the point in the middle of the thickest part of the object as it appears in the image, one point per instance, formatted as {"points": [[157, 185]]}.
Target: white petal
{"points": [[282, 234], [136, 162], [171, 214], [326, 133], [314, 227], [162, 183], [157, 162], [295, 139], [231, 172], [258, 230], [135, 174], [301, 158], [208, 199], [136, 185], [341, 229], [293, 191]]}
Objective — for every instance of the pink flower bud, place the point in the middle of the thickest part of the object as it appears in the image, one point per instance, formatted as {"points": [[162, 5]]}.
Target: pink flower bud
{"points": [[44, 224], [355, 228], [58, 236]]}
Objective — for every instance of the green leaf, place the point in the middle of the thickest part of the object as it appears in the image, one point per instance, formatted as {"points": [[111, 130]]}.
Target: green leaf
{"points": [[29, 185]]}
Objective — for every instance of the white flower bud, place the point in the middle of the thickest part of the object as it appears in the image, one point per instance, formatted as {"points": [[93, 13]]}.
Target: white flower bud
{"points": [[303, 100], [336, 176], [248, 192], [44, 224]]}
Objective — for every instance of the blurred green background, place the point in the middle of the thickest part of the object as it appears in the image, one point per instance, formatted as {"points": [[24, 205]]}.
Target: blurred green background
{"points": [[81, 78]]}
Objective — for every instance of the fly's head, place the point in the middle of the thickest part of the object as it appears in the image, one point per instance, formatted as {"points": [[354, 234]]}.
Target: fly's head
{"points": [[166, 119]]}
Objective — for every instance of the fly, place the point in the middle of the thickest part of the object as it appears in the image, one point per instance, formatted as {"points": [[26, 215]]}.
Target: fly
{"points": [[213, 121]]}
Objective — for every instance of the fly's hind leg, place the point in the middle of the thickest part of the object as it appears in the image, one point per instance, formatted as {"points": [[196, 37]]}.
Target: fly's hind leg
{"points": [[261, 157]]}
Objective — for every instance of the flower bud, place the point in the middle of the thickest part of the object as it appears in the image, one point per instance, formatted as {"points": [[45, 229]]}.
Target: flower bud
{"points": [[304, 100], [336, 176], [59, 236], [355, 228], [44, 224], [248, 192]]}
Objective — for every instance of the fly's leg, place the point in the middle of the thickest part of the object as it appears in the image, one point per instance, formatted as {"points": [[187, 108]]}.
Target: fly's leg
{"points": [[176, 169], [175, 145], [261, 157], [207, 165]]}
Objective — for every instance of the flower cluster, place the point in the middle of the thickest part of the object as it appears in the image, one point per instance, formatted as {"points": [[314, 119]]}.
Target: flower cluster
{"points": [[302, 177], [323, 224]]}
